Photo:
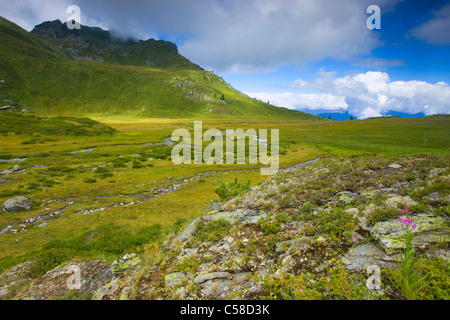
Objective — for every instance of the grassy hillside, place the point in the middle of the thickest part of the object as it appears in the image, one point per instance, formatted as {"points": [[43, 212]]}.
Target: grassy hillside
{"points": [[37, 75], [60, 126]]}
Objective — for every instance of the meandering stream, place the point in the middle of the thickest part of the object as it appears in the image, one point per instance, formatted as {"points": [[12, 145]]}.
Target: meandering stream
{"points": [[153, 193]]}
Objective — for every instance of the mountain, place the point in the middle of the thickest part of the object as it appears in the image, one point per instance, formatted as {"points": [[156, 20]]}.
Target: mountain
{"points": [[54, 71], [95, 44]]}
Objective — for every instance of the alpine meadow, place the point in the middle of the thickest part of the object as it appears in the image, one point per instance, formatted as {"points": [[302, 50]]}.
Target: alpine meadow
{"points": [[96, 205]]}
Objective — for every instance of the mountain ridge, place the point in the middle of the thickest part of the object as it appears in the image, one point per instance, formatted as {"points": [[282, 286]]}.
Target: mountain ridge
{"points": [[96, 44], [39, 75]]}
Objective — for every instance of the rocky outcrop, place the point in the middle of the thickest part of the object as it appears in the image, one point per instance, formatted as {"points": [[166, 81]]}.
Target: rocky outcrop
{"points": [[81, 276]]}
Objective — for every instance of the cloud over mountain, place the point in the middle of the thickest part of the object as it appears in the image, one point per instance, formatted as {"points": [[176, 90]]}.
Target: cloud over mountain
{"points": [[364, 95], [236, 36]]}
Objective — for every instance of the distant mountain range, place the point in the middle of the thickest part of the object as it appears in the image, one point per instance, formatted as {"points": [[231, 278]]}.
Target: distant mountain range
{"points": [[55, 71], [345, 115]]}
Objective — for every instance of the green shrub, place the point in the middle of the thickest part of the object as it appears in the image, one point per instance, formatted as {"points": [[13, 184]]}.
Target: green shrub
{"points": [[48, 260], [268, 226], [438, 281], [212, 231], [338, 224], [137, 164], [381, 215], [231, 190]]}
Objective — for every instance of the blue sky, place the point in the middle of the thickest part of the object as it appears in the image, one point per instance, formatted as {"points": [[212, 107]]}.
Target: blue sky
{"points": [[309, 55]]}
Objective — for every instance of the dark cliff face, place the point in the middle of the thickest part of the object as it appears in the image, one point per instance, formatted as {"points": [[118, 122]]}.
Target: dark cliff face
{"points": [[96, 44], [51, 29]]}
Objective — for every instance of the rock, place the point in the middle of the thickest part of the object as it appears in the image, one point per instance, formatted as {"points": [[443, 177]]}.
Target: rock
{"points": [[391, 234], [237, 216], [187, 232], [4, 293], [241, 277], [222, 246], [14, 278], [16, 168], [404, 201], [211, 276], [298, 243], [82, 276], [394, 166], [434, 196], [16, 204], [126, 264], [213, 207], [346, 196], [365, 255], [173, 278]]}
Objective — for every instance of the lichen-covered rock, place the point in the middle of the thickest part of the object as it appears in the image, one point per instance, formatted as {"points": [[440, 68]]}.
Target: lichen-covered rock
{"points": [[173, 278], [126, 264], [430, 229], [237, 216], [16, 204], [346, 197]]}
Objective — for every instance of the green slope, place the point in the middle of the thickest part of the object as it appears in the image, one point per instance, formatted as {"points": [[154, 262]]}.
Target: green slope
{"points": [[39, 76]]}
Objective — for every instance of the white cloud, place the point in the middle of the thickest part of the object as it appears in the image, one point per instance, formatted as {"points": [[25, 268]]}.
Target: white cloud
{"points": [[370, 94], [302, 101], [28, 13], [436, 30], [373, 94], [227, 36]]}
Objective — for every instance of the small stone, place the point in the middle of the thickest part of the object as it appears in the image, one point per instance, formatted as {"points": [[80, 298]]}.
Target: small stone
{"points": [[394, 166], [228, 239], [346, 261]]}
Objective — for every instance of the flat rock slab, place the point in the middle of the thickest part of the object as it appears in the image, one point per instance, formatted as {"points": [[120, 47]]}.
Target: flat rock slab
{"points": [[365, 255], [237, 216], [211, 276], [391, 234]]}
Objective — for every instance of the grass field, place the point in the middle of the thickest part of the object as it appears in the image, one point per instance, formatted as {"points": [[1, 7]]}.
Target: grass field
{"points": [[127, 178]]}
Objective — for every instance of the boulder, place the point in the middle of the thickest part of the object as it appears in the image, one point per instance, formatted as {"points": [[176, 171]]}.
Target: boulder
{"points": [[16, 204], [391, 234]]}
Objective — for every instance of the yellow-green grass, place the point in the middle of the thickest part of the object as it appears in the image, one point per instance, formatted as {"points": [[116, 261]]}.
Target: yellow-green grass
{"points": [[300, 141]]}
